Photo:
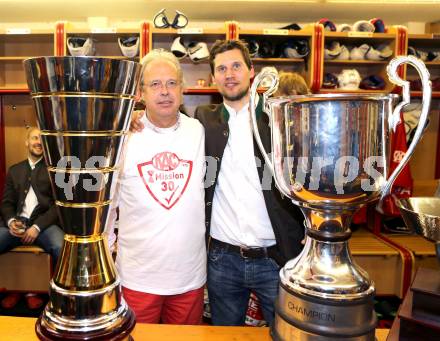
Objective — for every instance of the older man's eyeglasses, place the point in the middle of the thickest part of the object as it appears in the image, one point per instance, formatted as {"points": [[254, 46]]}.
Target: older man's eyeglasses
{"points": [[157, 84]]}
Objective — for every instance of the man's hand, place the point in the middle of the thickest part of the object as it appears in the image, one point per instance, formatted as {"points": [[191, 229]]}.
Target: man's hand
{"points": [[30, 235], [136, 124], [16, 228]]}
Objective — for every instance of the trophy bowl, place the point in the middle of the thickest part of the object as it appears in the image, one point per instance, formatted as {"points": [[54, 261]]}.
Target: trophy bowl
{"points": [[329, 154], [422, 215]]}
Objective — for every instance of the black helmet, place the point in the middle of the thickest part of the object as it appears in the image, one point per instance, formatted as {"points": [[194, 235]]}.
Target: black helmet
{"points": [[296, 48], [266, 49], [253, 47], [293, 26], [373, 82], [330, 81]]}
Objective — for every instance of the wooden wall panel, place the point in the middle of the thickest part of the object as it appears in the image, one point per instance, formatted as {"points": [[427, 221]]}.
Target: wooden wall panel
{"points": [[18, 114]]}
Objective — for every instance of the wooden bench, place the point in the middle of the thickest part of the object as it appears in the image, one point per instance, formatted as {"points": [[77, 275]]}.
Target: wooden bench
{"points": [[423, 250], [25, 268]]}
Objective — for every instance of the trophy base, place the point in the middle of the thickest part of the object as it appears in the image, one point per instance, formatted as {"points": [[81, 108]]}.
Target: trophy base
{"points": [[307, 318], [107, 330], [426, 294], [418, 317], [422, 322]]}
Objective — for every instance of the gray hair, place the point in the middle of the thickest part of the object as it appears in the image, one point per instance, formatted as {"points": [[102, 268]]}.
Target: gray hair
{"points": [[161, 54]]}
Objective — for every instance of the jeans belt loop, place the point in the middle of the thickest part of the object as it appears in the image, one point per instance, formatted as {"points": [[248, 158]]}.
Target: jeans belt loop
{"points": [[242, 254]]}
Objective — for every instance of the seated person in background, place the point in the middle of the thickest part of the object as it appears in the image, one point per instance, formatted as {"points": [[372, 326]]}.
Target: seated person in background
{"points": [[29, 211], [291, 83], [161, 253]]}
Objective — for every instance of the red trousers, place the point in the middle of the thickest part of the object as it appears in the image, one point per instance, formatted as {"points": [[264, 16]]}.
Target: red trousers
{"points": [[186, 308]]}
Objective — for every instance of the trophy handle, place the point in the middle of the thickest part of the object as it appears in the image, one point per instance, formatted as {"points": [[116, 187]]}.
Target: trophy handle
{"points": [[394, 118], [266, 107]]}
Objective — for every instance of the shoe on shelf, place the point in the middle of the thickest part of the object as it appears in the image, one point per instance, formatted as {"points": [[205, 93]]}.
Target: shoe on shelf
{"points": [[33, 301], [10, 301]]}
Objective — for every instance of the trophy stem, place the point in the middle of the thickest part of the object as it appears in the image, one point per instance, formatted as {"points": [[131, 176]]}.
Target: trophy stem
{"points": [[329, 225], [76, 271], [324, 294], [85, 292]]}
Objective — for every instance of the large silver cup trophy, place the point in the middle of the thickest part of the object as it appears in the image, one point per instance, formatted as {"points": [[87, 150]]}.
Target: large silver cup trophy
{"points": [[330, 156], [83, 108]]}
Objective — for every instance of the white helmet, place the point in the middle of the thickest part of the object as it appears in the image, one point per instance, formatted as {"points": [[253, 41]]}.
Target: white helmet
{"points": [[358, 53], [349, 79], [178, 49], [267, 81], [423, 55], [79, 46], [363, 26], [129, 46], [345, 53], [382, 52], [344, 28], [332, 51], [198, 51]]}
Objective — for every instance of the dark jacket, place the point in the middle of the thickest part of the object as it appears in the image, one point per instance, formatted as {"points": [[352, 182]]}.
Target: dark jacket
{"points": [[18, 181], [286, 218]]}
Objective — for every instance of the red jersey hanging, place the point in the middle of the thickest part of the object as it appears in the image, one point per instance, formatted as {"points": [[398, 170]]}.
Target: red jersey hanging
{"points": [[403, 186]]}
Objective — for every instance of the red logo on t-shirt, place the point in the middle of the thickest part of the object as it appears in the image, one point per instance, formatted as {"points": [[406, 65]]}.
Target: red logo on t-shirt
{"points": [[166, 177]]}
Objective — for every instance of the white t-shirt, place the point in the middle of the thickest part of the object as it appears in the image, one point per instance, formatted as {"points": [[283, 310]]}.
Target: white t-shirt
{"points": [[161, 240], [31, 200], [239, 213]]}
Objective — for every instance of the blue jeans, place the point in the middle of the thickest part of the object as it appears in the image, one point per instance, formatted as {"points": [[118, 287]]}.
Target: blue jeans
{"points": [[230, 281], [50, 239]]}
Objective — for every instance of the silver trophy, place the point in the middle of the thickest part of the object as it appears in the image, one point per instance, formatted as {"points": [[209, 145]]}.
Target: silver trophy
{"points": [[330, 157], [83, 108], [418, 317], [422, 216]]}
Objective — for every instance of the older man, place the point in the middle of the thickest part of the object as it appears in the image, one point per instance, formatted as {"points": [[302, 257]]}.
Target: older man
{"points": [[161, 254]]}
